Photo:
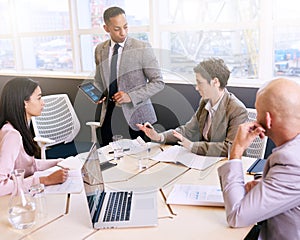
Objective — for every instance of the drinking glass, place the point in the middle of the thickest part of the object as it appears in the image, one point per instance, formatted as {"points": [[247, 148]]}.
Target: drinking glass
{"points": [[21, 213], [117, 146], [38, 194]]}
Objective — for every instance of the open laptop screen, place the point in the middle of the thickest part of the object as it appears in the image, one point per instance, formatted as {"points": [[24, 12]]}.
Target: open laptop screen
{"points": [[114, 209], [93, 181], [91, 171]]}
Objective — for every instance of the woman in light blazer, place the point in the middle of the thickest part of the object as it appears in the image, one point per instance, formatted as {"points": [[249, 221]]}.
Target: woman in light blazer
{"points": [[214, 125]]}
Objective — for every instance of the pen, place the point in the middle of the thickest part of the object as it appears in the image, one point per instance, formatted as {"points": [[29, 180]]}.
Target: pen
{"points": [[68, 203], [124, 150], [148, 125], [62, 167]]}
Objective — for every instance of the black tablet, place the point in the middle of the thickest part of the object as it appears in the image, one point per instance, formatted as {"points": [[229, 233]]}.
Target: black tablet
{"points": [[91, 91]]}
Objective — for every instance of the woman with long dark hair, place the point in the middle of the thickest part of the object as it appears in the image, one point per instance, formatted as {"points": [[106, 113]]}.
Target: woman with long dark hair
{"points": [[20, 100]]}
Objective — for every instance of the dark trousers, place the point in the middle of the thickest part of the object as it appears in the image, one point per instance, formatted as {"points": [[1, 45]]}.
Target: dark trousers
{"points": [[254, 233], [134, 134], [106, 130]]}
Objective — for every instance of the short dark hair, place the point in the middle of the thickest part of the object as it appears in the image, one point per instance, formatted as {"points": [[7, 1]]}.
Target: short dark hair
{"points": [[12, 109], [112, 12], [214, 68]]}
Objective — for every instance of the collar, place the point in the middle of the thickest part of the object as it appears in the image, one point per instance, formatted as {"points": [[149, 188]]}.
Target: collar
{"points": [[112, 43], [212, 109], [296, 138]]}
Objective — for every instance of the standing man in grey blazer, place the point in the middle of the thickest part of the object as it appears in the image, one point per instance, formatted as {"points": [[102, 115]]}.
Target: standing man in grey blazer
{"points": [[138, 76], [275, 199]]}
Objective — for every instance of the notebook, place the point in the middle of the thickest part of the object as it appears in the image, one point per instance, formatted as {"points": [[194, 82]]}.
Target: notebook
{"points": [[257, 167], [116, 209]]}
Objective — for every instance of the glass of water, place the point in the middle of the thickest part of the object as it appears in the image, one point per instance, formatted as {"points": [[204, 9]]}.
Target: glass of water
{"points": [[38, 194], [21, 213], [117, 146]]}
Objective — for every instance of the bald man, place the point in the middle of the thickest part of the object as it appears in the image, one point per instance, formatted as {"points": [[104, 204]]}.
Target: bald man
{"points": [[275, 199]]}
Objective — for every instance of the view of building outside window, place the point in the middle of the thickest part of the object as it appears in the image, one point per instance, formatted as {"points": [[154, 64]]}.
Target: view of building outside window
{"points": [[137, 13], [209, 37], [287, 38], [7, 60], [53, 35]]}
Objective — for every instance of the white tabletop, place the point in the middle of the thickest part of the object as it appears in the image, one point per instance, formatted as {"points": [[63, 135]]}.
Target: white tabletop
{"points": [[68, 216]]}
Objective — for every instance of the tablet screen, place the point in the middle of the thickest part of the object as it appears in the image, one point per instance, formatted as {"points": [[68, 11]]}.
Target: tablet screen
{"points": [[91, 91]]}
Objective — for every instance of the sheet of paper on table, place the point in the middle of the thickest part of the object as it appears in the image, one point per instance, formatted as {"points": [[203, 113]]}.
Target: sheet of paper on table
{"points": [[130, 147], [178, 154], [202, 195], [74, 183]]}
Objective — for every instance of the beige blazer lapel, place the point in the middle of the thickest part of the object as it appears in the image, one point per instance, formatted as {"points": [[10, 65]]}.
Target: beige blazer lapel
{"points": [[219, 119], [105, 71], [202, 119], [105, 63]]}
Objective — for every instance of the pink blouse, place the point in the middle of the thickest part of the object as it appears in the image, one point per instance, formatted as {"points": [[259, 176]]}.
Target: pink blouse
{"points": [[13, 156]]}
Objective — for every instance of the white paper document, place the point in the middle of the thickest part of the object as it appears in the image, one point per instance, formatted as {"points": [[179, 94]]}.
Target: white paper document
{"points": [[130, 146], [178, 154], [202, 195], [71, 163], [73, 184]]}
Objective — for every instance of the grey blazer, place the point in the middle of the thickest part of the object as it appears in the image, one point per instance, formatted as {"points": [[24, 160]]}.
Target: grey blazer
{"points": [[231, 112], [139, 75], [276, 198]]}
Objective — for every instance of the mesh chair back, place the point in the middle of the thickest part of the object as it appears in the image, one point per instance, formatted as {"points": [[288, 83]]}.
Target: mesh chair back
{"points": [[258, 146], [58, 120]]}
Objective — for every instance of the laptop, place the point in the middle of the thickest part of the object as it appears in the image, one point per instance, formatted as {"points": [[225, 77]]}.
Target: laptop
{"points": [[116, 209]]}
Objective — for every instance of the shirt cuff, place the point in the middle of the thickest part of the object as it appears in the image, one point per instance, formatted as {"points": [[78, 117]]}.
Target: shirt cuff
{"points": [[235, 160], [190, 146], [36, 179], [162, 137]]}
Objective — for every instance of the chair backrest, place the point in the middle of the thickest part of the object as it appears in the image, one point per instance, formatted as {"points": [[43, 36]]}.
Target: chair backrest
{"points": [[58, 120], [258, 146]]}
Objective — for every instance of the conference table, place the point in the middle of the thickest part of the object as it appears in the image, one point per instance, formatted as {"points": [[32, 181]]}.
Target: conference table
{"points": [[68, 214]]}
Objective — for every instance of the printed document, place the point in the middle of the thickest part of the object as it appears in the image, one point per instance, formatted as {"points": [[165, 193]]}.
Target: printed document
{"points": [[71, 163], [178, 154], [73, 184], [130, 147], [202, 195]]}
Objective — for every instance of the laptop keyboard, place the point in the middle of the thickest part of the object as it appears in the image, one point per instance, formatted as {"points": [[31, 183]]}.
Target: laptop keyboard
{"points": [[118, 207]]}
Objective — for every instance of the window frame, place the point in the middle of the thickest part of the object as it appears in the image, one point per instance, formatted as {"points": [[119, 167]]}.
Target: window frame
{"points": [[265, 26]]}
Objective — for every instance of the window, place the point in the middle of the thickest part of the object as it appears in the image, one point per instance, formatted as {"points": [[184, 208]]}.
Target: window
{"points": [[286, 38], [90, 19], [7, 59], [201, 29], [258, 39]]}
